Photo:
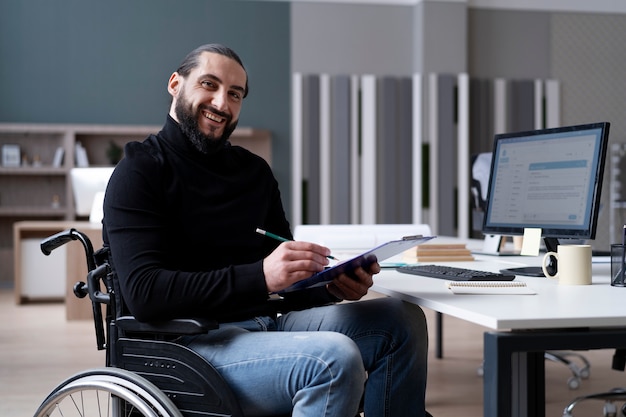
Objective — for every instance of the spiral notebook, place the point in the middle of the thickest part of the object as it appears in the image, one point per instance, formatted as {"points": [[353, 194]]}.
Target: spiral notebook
{"points": [[490, 287]]}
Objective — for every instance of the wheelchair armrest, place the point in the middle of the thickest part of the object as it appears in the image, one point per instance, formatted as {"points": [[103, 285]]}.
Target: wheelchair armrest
{"points": [[170, 327]]}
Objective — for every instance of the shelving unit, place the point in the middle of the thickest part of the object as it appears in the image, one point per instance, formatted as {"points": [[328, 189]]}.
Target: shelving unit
{"points": [[38, 190]]}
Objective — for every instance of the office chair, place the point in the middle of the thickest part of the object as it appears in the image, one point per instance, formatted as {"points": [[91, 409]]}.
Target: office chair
{"points": [[146, 372], [609, 408]]}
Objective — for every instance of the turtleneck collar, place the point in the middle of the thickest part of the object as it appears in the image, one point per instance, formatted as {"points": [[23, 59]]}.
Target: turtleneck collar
{"points": [[174, 137]]}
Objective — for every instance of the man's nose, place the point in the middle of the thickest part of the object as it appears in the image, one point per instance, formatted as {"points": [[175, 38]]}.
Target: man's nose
{"points": [[219, 100]]}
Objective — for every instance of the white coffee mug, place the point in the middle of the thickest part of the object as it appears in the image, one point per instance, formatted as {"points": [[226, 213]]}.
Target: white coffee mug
{"points": [[573, 264]]}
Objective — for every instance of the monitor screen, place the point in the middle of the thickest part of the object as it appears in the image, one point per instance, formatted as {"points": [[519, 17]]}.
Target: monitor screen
{"points": [[549, 179]]}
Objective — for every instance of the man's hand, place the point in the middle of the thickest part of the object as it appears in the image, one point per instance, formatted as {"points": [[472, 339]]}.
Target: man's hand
{"points": [[355, 285], [292, 262]]}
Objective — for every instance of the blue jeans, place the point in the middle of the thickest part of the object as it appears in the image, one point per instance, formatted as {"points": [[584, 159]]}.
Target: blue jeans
{"points": [[317, 361]]}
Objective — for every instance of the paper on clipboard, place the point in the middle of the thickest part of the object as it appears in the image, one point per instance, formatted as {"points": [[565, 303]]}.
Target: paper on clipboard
{"points": [[377, 254]]}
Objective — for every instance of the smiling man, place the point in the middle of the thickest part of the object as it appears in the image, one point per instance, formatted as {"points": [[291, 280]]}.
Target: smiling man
{"points": [[180, 218], [206, 106]]}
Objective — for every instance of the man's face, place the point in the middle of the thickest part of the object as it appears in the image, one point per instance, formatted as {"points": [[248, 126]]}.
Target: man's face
{"points": [[208, 101]]}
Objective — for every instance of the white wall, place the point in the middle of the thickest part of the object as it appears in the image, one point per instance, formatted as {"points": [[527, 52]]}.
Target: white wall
{"points": [[346, 39], [596, 6]]}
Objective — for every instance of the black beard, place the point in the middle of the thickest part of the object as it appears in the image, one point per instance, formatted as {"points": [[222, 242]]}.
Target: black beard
{"points": [[207, 144]]}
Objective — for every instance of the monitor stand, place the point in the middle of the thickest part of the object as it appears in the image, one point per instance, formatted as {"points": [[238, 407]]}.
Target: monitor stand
{"points": [[536, 271], [494, 245]]}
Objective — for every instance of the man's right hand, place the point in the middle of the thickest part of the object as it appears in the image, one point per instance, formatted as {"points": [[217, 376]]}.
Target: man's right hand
{"points": [[293, 261]]}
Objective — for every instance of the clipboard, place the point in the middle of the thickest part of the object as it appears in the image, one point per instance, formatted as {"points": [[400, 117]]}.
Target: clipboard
{"points": [[377, 254]]}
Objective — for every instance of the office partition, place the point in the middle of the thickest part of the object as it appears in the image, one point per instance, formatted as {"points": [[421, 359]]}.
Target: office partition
{"points": [[392, 149]]}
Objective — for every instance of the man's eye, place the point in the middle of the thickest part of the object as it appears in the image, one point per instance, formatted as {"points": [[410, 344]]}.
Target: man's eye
{"points": [[207, 84], [235, 96]]}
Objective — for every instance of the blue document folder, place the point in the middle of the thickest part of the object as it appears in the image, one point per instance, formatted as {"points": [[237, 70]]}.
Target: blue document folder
{"points": [[377, 254]]}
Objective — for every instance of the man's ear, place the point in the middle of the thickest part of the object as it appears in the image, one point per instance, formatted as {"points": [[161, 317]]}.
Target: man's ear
{"points": [[174, 83]]}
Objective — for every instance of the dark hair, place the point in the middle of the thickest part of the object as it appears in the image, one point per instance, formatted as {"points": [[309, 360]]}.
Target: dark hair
{"points": [[191, 60]]}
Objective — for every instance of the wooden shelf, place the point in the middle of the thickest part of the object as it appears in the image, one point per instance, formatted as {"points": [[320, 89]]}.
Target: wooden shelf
{"points": [[31, 211], [43, 170], [27, 192]]}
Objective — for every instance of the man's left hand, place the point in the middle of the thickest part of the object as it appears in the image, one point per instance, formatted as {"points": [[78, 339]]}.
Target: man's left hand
{"points": [[355, 285]]}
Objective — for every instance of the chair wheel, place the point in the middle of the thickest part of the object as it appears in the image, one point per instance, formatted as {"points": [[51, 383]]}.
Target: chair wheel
{"points": [[609, 409], [99, 391], [573, 383]]}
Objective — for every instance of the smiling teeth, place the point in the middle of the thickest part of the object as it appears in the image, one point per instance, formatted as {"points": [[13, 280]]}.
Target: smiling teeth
{"points": [[213, 117]]}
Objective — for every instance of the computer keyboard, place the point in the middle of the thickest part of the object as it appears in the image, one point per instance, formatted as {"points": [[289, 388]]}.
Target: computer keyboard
{"points": [[454, 273]]}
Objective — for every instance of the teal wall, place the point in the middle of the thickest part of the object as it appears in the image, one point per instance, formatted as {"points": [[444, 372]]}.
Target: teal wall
{"points": [[108, 62]]}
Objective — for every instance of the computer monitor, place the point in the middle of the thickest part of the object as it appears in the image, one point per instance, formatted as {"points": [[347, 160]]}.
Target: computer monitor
{"points": [[88, 185], [549, 179]]}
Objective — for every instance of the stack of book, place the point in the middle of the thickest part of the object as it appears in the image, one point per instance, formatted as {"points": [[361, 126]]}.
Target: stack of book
{"points": [[443, 252]]}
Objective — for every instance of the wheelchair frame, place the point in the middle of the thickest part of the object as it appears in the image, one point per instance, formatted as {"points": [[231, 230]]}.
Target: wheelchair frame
{"points": [[146, 373]]}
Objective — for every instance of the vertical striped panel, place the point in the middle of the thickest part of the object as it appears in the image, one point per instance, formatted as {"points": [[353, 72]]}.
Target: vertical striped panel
{"points": [[324, 150], [417, 169], [355, 159], [539, 107], [368, 149], [553, 103], [463, 157], [393, 150], [433, 152], [404, 150], [481, 115], [311, 150], [358, 143], [386, 158], [521, 105], [296, 148], [500, 106], [340, 156], [446, 156]]}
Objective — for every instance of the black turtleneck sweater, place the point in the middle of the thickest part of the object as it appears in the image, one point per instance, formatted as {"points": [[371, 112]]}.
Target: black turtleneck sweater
{"points": [[181, 225]]}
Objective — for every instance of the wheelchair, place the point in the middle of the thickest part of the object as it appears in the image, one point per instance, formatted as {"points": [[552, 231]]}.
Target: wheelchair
{"points": [[146, 372]]}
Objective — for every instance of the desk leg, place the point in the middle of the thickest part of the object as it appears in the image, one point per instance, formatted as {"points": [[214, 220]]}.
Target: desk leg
{"points": [[497, 377], [514, 381], [535, 379], [528, 384], [514, 377], [439, 335]]}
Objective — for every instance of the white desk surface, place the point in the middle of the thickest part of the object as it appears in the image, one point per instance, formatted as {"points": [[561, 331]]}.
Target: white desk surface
{"points": [[554, 305]]}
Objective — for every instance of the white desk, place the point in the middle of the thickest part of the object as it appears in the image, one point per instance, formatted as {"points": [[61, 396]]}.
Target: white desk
{"points": [[525, 326]]}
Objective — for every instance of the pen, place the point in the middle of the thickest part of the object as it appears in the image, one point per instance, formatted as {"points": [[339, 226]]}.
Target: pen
{"points": [[282, 239]]}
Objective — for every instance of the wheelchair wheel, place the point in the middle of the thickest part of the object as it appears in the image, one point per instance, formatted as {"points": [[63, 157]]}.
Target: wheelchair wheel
{"points": [[107, 392]]}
